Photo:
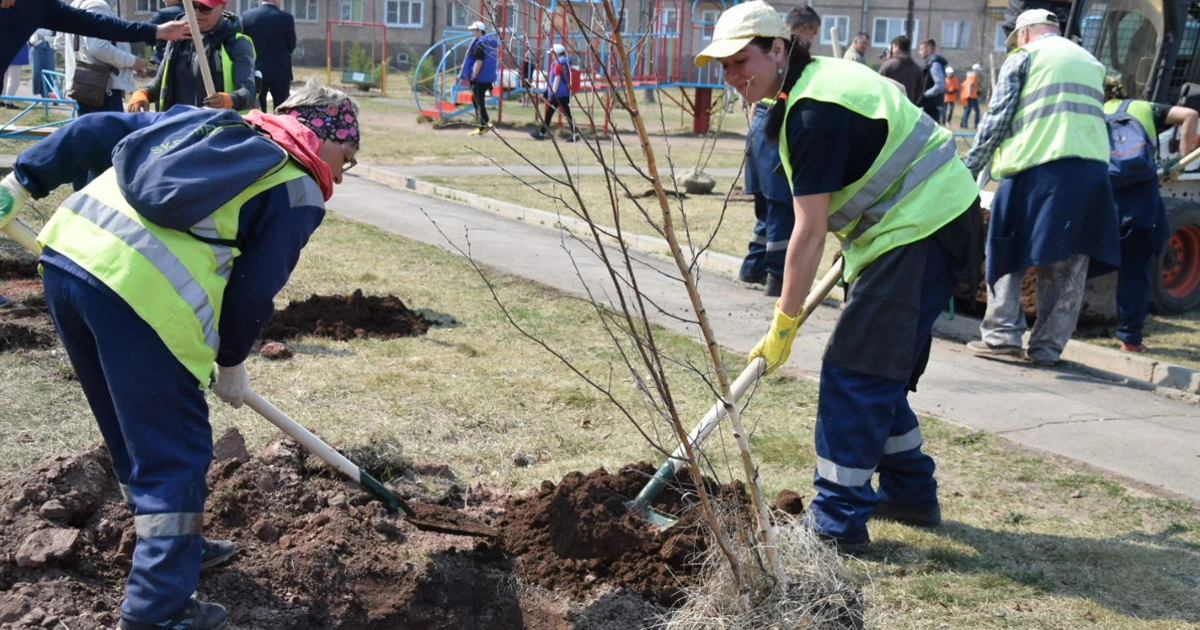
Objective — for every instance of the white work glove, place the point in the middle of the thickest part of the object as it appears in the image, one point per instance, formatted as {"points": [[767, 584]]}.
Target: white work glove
{"points": [[12, 196], [232, 384]]}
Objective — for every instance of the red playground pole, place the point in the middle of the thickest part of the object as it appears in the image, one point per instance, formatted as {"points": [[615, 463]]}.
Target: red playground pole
{"points": [[703, 106]]}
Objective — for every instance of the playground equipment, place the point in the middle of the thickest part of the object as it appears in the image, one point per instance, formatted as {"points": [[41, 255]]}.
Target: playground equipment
{"points": [[360, 64], [22, 126], [663, 36]]}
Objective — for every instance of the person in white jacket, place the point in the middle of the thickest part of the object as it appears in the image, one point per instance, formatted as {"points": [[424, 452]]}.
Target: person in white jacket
{"points": [[97, 51]]}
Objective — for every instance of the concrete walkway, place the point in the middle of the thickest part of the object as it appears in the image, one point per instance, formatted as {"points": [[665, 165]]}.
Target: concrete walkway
{"points": [[523, 170], [1148, 438]]}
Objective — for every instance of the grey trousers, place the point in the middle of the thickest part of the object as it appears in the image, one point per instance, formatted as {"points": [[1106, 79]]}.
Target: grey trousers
{"points": [[1059, 297]]}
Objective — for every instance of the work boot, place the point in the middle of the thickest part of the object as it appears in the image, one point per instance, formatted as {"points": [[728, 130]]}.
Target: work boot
{"points": [[888, 511], [216, 553], [982, 347], [747, 278], [774, 286], [195, 616], [843, 546]]}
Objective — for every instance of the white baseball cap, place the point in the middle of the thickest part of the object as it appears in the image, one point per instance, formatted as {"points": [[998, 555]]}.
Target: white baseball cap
{"points": [[977, 68], [477, 26], [949, 70], [740, 24], [558, 49], [1032, 17]]}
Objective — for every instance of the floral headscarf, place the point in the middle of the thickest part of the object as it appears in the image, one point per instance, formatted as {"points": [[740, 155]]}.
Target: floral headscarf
{"points": [[335, 122]]}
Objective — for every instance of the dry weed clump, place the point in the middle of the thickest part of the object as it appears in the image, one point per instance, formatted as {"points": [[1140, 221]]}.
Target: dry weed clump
{"points": [[821, 594]]}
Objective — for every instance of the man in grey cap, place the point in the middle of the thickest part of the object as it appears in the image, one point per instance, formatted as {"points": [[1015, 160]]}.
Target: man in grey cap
{"points": [[1047, 142]]}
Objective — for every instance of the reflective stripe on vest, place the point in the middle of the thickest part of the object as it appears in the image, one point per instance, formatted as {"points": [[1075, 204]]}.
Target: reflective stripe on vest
{"points": [[1058, 114], [916, 184], [226, 75], [172, 280], [168, 524]]}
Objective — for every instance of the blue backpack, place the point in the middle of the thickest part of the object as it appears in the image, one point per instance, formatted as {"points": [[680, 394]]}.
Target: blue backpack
{"points": [[1131, 157]]}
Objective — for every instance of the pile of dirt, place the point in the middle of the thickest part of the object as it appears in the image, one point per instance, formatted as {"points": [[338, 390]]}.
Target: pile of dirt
{"points": [[25, 324], [314, 552], [343, 317], [578, 537]]}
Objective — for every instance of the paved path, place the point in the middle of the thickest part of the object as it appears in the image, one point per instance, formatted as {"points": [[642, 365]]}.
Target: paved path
{"points": [[1147, 437], [522, 170]]}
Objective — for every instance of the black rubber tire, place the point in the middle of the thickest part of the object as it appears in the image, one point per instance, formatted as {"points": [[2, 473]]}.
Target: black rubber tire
{"points": [[1176, 287]]}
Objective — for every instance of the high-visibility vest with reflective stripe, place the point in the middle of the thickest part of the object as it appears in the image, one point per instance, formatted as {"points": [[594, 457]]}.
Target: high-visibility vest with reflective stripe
{"points": [[227, 85], [916, 184], [171, 279], [1143, 111], [1058, 115]]}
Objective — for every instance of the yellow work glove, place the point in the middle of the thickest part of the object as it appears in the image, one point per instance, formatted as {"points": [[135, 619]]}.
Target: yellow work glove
{"points": [[139, 102], [220, 100], [776, 345]]}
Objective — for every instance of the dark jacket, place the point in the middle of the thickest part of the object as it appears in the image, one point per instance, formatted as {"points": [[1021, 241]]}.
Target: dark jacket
{"points": [[185, 85], [274, 35], [162, 16], [18, 22], [902, 69]]}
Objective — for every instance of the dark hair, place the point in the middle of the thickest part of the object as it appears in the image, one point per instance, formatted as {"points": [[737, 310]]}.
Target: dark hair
{"points": [[798, 59], [1113, 89], [803, 16], [903, 43], [863, 36], [929, 42]]}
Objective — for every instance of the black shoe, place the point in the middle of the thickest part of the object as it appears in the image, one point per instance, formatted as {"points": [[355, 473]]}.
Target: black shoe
{"points": [[844, 547], [216, 553], [537, 135], [929, 517], [774, 287], [761, 279], [195, 616]]}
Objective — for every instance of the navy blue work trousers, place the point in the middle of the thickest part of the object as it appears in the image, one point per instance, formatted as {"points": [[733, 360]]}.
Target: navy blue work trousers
{"points": [[1138, 263], [154, 419], [772, 231]]}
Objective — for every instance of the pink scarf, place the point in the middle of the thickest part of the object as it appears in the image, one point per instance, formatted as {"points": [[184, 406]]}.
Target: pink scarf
{"points": [[297, 140]]}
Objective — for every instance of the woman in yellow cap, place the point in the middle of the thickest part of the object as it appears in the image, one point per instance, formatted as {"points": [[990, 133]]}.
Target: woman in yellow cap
{"points": [[868, 166]]}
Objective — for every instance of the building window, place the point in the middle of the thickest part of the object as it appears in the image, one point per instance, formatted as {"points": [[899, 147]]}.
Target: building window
{"points": [[402, 58], [956, 34], [842, 22], [668, 21], [887, 29], [404, 13], [708, 22], [350, 10], [301, 10], [146, 6], [457, 16], [242, 6], [1000, 37]]}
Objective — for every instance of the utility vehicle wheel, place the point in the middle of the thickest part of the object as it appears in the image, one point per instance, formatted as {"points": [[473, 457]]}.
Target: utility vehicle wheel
{"points": [[1178, 287]]}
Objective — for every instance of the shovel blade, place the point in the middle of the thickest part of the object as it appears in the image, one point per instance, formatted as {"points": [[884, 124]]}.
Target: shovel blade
{"points": [[656, 518]]}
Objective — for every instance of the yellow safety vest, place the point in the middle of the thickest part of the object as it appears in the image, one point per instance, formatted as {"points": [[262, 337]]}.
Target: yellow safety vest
{"points": [[227, 85], [172, 280], [915, 186], [1059, 114]]}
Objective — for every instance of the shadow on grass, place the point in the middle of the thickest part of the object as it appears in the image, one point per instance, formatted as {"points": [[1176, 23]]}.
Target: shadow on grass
{"points": [[1143, 576]]}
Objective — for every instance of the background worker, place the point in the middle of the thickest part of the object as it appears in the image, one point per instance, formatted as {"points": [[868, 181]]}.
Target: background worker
{"points": [[774, 218], [804, 23], [144, 310], [41, 57], [1045, 136], [558, 94], [479, 73], [20, 18], [101, 52], [1140, 211], [866, 165], [934, 74], [12, 75], [900, 67], [230, 58], [171, 10], [970, 96], [952, 90], [273, 31], [858, 49]]}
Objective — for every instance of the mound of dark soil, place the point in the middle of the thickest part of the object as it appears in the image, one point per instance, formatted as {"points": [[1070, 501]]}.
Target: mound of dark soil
{"points": [[25, 324], [578, 537], [343, 317]]}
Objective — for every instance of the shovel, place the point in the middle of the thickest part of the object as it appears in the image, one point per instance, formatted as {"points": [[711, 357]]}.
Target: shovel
{"points": [[749, 376], [426, 517]]}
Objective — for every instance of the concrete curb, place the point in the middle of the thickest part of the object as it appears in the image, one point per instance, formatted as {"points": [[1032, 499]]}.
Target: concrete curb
{"points": [[1103, 362]]}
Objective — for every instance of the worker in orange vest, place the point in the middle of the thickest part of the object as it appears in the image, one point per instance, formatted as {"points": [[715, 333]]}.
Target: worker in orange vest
{"points": [[970, 96], [952, 85]]}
